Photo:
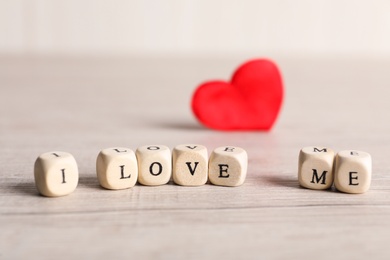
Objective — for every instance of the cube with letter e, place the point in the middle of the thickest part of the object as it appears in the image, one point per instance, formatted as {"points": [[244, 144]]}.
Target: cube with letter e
{"points": [[353, 171], [228, 166]]}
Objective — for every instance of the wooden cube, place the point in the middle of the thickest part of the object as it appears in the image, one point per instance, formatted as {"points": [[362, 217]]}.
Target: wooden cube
{"points": [[117, 168], [190, 165], [228, 166], [353, 171], [56, 174], [154, 164], [315, 169]]}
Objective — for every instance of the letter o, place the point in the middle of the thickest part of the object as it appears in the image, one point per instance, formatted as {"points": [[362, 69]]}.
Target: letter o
{"points": [[160, 168], [154, 148]]}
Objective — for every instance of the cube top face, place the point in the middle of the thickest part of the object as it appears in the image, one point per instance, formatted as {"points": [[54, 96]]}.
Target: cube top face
{"points": [[196, 148], [150, 150], [154, 164], [317, 151], [228, 166], [353, 171], [355, 155], [55, 156], [190, 165], [117, 168], [56, 174], [117, 152], [315, 170], [230, 150]]}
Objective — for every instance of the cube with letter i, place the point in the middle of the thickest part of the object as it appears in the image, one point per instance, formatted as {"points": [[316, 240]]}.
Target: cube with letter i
{"points": [[190, 164], [117, 168], [353, 171], [56, 174], [315, 169], [228, 166]]}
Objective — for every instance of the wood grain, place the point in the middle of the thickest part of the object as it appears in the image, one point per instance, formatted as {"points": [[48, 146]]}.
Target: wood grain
{"points": [[82, 105]]}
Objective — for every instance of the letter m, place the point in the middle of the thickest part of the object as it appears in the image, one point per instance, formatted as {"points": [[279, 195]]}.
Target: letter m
{"points": [[318, 179], [318, 150]]}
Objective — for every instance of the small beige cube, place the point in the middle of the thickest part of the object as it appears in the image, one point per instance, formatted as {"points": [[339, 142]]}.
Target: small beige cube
{"points": [[56, 174], [315, 169], [117, 168], [353, 171], [154, 165], [190, 165], [228, 166]]}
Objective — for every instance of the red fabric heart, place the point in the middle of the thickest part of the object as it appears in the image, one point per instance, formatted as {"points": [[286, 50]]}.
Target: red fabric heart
{"points": [[251, 101]]}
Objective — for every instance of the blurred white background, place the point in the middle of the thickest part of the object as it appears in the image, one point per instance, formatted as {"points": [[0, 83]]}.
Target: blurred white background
{"points": [[310, 27]]}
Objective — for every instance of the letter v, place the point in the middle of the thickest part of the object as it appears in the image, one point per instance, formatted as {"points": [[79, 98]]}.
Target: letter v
{"points": [[192, 171]]}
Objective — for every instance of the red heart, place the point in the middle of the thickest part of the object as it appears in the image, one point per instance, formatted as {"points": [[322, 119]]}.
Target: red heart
{"points": [[251, 101]]}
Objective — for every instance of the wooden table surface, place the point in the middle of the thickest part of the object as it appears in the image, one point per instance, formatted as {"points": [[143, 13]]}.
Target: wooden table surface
{"points": [[84, 104]]}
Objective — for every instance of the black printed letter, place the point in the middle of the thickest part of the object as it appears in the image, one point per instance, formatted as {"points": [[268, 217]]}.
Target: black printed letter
{"points": [[117, 150], [353, 178], [315, 175], [122, 172], [159, 169], [63, 175], [318, 150], [221, 170], [192, 171]]}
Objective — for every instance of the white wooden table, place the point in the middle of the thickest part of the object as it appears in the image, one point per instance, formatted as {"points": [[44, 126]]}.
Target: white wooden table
{"points": [[82, 105]]}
